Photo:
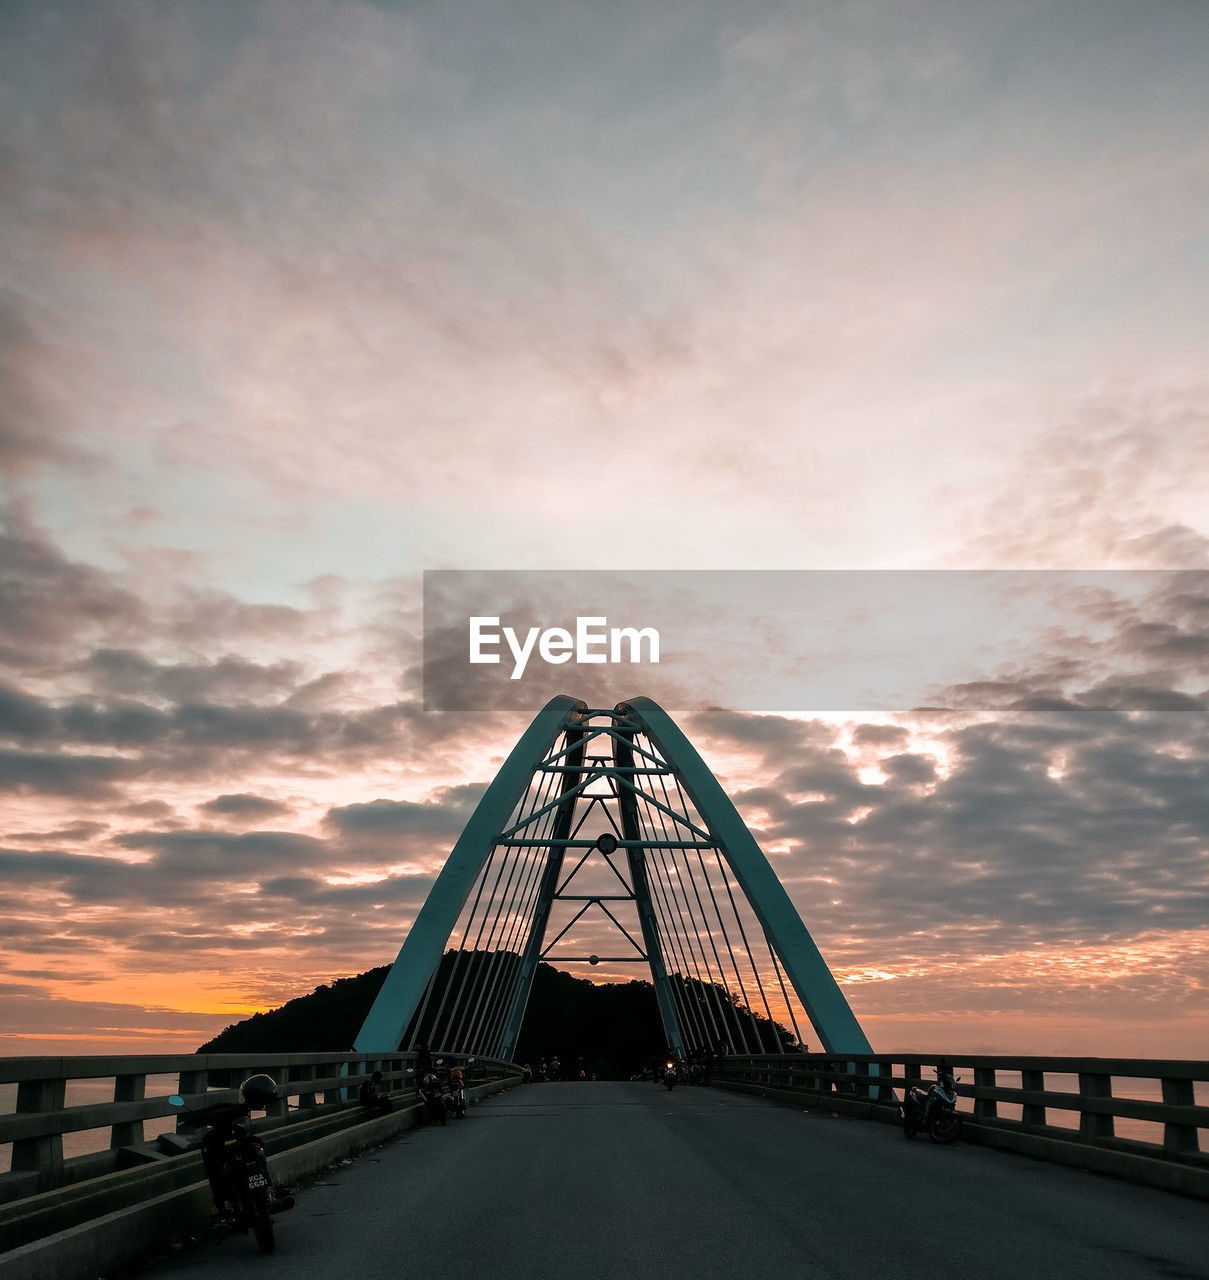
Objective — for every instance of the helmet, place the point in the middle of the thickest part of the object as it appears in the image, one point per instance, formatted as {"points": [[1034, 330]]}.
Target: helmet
{"points": [[258, 1091]]}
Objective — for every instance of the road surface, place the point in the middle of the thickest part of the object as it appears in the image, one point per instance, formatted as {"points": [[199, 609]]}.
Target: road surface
{"points": [[597, 1181]]}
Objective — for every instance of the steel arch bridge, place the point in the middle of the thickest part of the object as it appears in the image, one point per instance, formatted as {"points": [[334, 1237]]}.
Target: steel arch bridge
{"points": [[618, 804]]}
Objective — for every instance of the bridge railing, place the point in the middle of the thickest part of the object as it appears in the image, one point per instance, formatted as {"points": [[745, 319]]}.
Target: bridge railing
{"points": [[111, 1111], [1103, 1113]]}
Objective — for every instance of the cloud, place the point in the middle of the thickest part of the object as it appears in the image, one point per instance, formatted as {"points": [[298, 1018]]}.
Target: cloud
{"points": [[49, 604], [221, 854], [24, 865], [227, 679], [398, 817], [1120, 484], [88, 777], [1050, 804], [82, 830], [28, 420], [770, 733], [1035, 835], [879, 735], [196, 737], [910, 770], [40, 1011], [23, 717], [243, 807]]}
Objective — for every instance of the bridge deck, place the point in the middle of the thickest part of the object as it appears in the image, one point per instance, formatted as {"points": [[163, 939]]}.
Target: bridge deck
{"points": [[602, 1180]]}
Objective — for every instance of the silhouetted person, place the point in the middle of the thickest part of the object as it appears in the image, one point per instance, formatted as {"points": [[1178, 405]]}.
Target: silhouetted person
{"points": [[423, 1062], [370, 1094]]}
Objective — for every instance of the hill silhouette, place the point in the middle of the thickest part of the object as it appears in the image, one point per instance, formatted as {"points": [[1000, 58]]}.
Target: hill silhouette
{"points": [[614, 1027]]}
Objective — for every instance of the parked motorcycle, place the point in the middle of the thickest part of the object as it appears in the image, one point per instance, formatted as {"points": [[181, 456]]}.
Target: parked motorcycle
{"points": [[456, 1102], [245, 1196], [934, 1110]]}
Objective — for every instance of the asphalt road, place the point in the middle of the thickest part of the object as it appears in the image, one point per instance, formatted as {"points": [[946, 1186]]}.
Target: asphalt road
{"points": [[599, 1180]]}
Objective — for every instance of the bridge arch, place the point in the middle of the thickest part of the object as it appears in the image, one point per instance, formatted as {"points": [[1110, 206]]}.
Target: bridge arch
{"points": [[691, 896]]}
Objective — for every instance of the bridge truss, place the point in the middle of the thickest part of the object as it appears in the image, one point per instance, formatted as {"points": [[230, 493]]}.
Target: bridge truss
{"points": [[608, 823]]}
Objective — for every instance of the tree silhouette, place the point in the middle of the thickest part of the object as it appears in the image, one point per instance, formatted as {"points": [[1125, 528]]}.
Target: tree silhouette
{"points": [[614, 1027]]}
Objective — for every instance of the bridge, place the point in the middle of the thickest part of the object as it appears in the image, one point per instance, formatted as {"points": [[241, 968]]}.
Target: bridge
{"points": [[606, 824]]}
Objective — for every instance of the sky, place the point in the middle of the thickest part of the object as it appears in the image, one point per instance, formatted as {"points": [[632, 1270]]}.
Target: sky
{"points": [[302, 298]]}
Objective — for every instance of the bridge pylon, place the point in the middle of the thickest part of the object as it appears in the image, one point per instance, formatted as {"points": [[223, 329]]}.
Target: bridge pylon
{"points": [[608, 823]]}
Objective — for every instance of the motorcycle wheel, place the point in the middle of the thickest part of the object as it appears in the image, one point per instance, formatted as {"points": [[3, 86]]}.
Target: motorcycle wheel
{"points": [[262, 1227], [255, 1214], [945, 1127]]}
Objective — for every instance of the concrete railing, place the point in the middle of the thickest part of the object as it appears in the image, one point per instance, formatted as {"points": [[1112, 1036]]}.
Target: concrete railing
{"points": [[42, 1117], [1139, 1119], [47, 1193], [36, 1127]]}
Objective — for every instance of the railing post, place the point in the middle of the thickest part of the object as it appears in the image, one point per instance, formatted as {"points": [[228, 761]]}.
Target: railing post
{"points": [[1093, 1125], [127, 1133], [306, 1099], [827, 1085], [984, 1108], [46, 1152], [279, 1109], [336, 1069], [1033, 1114], [885, 1092], [193, 1080], [1177, 1138], [859, 1068]]}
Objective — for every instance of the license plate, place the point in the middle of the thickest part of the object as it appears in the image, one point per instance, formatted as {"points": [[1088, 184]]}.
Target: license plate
{"points": [[257, 1182]]}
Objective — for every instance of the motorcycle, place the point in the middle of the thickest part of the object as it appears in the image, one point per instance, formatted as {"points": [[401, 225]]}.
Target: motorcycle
{"points": [[456, 1102], [430, 1091], [934, 1110], [669, 1076], [245, 1195]]}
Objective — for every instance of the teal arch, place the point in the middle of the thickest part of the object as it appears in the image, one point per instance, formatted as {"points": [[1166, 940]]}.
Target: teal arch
{"points": [[820, 994], [824, 1003], [424, 945]]}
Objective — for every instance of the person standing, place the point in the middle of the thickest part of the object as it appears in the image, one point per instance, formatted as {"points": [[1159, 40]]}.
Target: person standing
{"points": [[423, 1062]]}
